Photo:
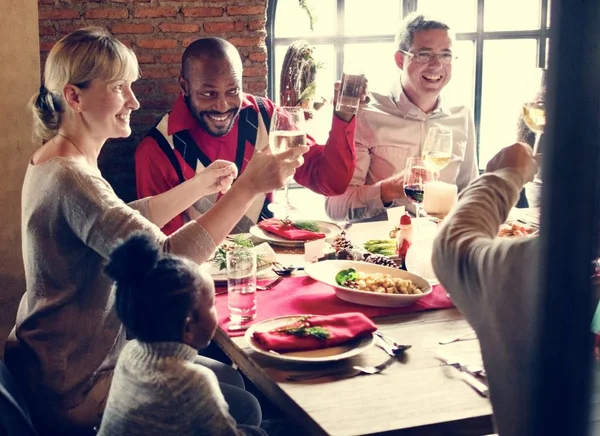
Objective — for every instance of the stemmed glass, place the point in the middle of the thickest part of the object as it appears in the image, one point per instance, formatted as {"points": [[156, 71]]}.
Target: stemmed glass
{"points": [[534, 108], [416, 175], [288, 129], [437, 149]]}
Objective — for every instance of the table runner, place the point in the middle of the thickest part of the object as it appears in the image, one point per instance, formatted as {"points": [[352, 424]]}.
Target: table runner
{"points": [[303, 295]]}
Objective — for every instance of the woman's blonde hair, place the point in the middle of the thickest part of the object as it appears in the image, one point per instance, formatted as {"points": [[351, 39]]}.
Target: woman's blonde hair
{"points": [[77, 59]]}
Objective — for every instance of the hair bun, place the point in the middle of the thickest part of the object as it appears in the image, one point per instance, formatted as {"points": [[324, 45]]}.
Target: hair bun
{"points": [[134, 259]]}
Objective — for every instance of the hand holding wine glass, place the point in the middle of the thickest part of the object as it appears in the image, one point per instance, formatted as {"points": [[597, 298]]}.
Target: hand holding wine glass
{"points": [[288, 130], [437, 149], [416, 175], [534, 108]]}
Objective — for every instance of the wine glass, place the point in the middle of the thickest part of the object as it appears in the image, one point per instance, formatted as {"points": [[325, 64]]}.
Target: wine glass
{"points": [[288, 129], [416, 175], [534, 108], [437, 149]]}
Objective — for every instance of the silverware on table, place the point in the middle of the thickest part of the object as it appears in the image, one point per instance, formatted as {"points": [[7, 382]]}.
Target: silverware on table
{"points": [[459, 338], [271, 285], [285, 271], [344, 372], [388, 345], [468, 375]]}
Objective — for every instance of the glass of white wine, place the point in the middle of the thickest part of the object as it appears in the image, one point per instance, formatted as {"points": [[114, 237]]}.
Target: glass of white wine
{"points": [[288, 129], [534, 108], [437, 149]]}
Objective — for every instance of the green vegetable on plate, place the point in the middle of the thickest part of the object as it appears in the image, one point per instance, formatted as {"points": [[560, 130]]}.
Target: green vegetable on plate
{"points": [[345, 276]]}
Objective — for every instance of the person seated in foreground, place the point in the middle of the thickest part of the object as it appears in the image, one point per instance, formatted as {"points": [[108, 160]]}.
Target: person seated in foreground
{"points": [[166, 303], [67, 336], [214, 119], [492, 280], [393, 126]]}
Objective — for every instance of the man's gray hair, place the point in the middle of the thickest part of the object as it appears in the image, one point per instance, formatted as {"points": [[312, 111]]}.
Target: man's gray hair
{"points": [[412, 23]]}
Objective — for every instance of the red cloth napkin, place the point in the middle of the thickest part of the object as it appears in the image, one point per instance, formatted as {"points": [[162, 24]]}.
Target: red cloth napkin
{"points": [[273, 225], [342, 328]]}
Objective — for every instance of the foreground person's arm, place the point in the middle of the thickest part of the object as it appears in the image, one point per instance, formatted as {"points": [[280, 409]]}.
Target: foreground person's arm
{"points": [[492, 281]]}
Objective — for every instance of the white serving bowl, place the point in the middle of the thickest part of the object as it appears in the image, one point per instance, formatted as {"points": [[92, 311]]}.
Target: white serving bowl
{"points": [[326, 271]]}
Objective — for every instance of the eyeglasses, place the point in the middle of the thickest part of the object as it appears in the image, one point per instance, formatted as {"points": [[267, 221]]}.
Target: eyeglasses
{"points": [[425, 57]]}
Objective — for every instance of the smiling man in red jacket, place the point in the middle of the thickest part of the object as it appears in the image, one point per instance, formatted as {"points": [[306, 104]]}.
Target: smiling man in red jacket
{"points": [[213, 119]]}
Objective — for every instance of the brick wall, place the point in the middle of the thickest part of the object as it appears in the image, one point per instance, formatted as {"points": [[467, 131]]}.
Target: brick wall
{"points": [[158, 31]]}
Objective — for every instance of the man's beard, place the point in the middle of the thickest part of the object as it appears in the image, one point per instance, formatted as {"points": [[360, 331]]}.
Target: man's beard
{"points": [[200, 117]]}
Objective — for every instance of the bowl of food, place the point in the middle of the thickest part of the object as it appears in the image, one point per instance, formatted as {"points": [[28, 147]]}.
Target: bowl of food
{"points": [[516, 229], [370, 284]]}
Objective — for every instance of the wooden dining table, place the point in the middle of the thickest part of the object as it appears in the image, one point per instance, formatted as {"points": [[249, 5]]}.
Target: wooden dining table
{"points": [[417, 395]]}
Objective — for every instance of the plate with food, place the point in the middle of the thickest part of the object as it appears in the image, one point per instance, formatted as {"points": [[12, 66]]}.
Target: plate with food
{"points": [[370, 284], [329, 354], [292, 233], [516, 229], [216, 266]]}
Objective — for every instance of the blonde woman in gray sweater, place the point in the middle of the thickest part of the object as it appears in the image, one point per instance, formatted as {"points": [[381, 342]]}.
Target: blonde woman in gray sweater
{"points": [[157, 389], [67, 336]]}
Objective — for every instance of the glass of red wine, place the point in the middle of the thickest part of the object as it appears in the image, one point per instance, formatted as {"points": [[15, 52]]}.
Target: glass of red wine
{"points": [[416, 175]]}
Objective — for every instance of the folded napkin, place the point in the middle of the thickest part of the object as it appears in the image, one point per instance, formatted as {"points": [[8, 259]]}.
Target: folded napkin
{"points": [[314, 332], [273, 225]]}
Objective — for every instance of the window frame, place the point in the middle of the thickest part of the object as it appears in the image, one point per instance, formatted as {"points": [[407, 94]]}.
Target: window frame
{"points": [[479, 36]]}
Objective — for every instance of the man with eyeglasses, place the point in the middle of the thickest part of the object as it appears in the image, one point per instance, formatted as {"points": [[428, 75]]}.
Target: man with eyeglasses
{"points": [[394, 125]]}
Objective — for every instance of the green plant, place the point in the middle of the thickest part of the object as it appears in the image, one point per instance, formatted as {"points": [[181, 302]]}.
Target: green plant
{"points": [[311, 19]]}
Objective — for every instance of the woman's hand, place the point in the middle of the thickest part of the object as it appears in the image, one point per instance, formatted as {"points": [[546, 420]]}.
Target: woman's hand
{"points": [[217, 177], [268, 172]]}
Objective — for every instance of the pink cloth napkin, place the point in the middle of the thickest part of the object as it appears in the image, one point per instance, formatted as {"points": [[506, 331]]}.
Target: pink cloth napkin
{"points": [[302, 295], [273, 225], [341, 328]]}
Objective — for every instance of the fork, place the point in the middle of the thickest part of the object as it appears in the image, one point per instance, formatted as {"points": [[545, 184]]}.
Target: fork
{"points": [[356, 370], [271, 285], [459, 338]]}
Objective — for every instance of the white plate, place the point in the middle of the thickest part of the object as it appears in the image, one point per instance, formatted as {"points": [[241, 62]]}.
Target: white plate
{"points": [[330, 230], [326, 271], [329, 354]]}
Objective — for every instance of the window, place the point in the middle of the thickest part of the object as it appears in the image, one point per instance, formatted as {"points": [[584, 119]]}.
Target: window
{"points": [[496, 40]]}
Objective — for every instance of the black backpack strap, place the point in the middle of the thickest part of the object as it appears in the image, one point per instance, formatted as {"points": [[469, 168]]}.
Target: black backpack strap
{"points": [[166, 148]]}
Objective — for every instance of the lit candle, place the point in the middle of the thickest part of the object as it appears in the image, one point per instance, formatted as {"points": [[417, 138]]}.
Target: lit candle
{"points": [[439, 197]]}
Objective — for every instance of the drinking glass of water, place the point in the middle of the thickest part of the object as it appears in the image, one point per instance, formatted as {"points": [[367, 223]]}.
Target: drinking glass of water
{"points": [[241, 285]]}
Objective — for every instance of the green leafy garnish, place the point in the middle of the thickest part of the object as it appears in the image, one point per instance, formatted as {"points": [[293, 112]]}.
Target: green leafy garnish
{"points": [[311, 226], [317, 332], [345, 276], [302, 328], [236, 241]]}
